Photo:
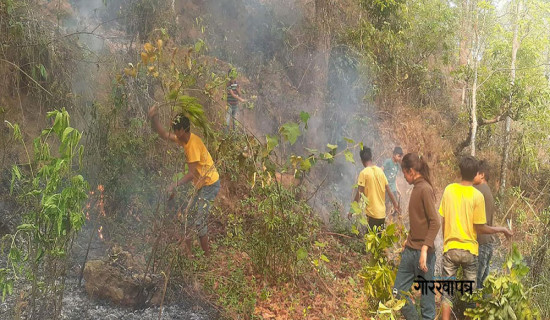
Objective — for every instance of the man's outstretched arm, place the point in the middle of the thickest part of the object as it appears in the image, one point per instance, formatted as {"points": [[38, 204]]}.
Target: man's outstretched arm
{"points": [[393, 200], [236, 96], [192, 173], [155, 124], [485, 229]]}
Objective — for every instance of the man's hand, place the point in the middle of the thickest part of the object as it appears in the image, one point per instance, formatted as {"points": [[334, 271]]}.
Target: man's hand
{"points": [[508, 233], [171, 189], [398, 210], [422, 261]]}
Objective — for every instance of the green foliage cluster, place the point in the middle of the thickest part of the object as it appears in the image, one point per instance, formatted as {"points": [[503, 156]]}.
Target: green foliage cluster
{"points": [[281, 231], [379, 273], [52, 193], [33, 60], [142, 17], [503, 296], [392, 36]]}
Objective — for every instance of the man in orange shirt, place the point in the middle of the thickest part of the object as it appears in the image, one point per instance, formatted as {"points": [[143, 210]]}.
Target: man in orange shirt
{"points": [[202, 172]]}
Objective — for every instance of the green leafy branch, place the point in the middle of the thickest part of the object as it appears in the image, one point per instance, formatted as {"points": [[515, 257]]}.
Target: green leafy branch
{"points": [[52, 196], [504, 296]]}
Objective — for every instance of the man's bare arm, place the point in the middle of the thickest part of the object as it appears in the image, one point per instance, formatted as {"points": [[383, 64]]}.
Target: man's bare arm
{"points": [[236, 96], [193, 172], [485, 229], [155, 124], [392, 198]]}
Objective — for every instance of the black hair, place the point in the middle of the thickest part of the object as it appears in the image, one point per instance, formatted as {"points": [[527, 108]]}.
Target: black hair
{"points": [[468, 167], [416, 162], [398, 150], [181, 122], [483, 167], [365, 154]]}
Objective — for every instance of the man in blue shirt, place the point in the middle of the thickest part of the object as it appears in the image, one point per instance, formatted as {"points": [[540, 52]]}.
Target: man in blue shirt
{"points": [[391, 167]]}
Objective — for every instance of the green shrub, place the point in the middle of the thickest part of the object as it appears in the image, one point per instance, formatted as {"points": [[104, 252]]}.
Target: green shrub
{"points": [[281, 232], [52, 193], [504, 296]]}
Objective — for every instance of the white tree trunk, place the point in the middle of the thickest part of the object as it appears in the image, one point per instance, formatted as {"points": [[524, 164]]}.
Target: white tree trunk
{"points": [[473, 114], [508, 123]]}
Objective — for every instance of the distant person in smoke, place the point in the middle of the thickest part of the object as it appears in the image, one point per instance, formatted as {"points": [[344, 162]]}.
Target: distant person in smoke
{"points": [[233, 98], [373, 184], [485, 241], [202, 173], [463, 217], [418, 257], [391, 167]]}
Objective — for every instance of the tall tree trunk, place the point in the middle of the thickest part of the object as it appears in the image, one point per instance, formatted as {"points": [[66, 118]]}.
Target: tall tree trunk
{"points": [[508, 123], [473, 114], [464, 43], [476, 48], [319, 71]]}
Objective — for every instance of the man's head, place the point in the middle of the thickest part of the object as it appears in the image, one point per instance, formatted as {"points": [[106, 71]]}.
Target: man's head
{"points": [[482, 172], [182, 127], [397, 154], [366, 155], [468, 168]]}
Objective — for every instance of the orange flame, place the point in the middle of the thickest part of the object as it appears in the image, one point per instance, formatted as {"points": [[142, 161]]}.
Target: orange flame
{"points": [[101, 203], [100, 232]]}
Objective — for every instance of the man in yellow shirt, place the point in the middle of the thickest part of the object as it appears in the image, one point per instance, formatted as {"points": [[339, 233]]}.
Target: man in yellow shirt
{"points": [[463, 210], [202, 172], [373, 184]]}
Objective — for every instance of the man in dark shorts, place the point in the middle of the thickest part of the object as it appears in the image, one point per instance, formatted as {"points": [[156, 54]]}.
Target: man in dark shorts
{"points": [[373, 184], [462, 210], [202, 173]]}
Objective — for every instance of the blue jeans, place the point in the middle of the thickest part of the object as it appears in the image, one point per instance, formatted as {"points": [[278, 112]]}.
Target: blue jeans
{"points": [[230, 116], [201, 207], [484, 263], [406, 274]]}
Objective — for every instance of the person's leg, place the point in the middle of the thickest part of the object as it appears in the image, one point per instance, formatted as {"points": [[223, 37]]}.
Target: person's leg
{"points": [[427, 301], [228, 117], [207, 194], [186, 243], [449, 273], [484, 261], [233, 116], [404, 280], [469, 267]]}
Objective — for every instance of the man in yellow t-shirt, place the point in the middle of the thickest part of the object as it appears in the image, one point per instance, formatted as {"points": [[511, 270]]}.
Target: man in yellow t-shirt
{"points": [[202, 172], [373, 184], [463, 210]]}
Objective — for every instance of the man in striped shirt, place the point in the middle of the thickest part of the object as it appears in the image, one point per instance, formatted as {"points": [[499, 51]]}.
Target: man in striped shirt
{"points": [[233, 98]]}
